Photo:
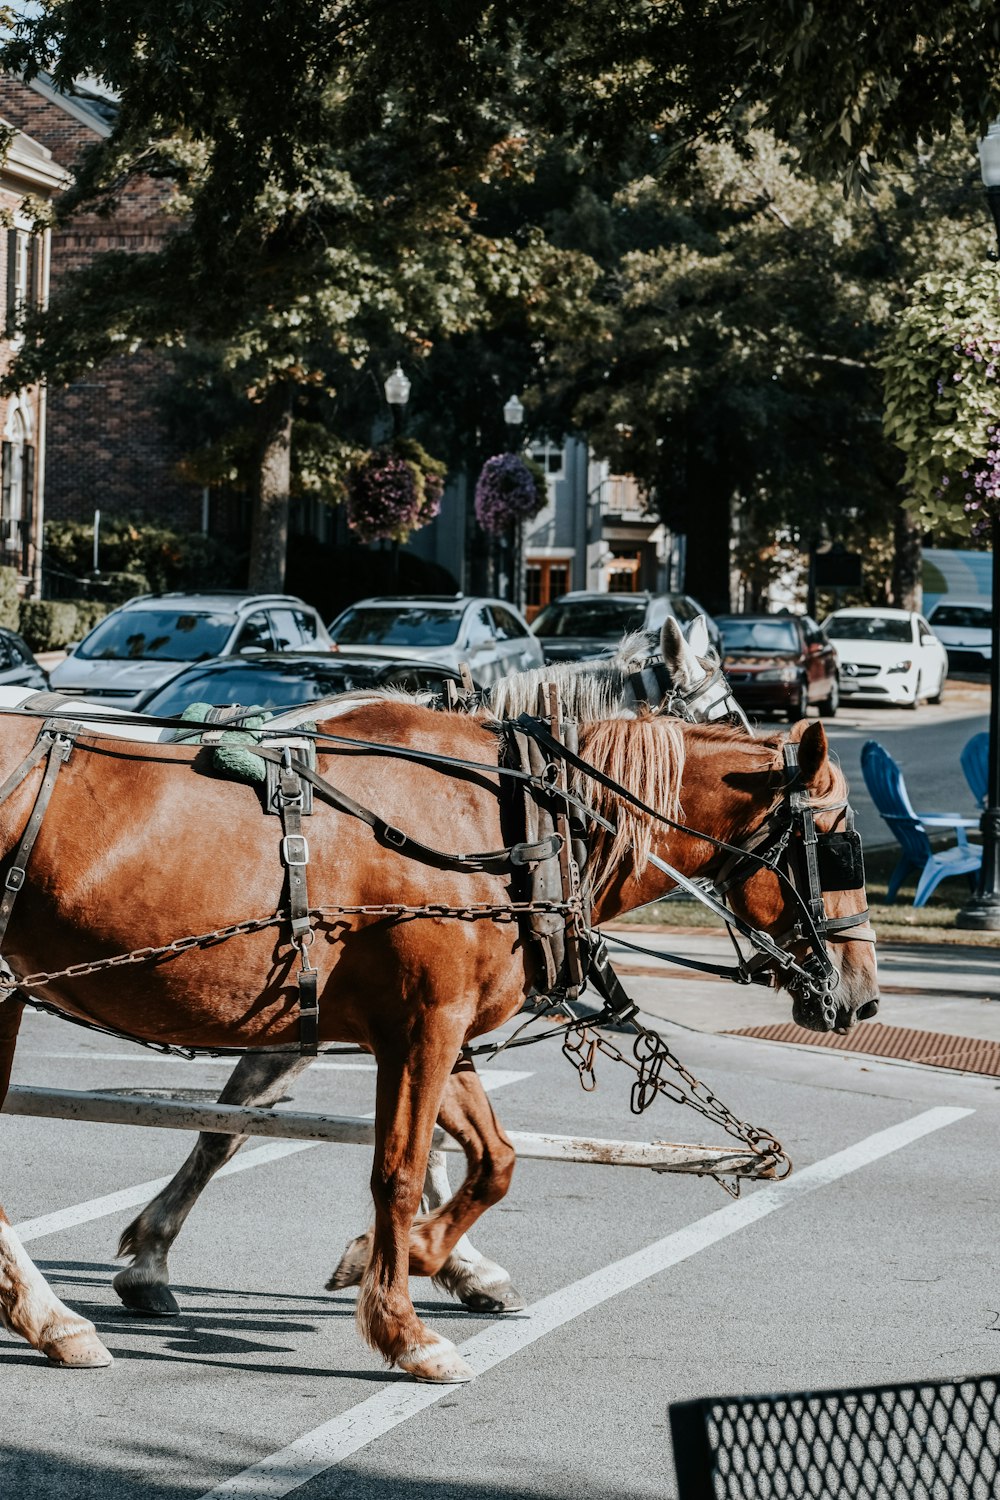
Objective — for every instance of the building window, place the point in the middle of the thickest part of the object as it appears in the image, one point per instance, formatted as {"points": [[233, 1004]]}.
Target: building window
{"points": [[543, 582], [16, 494], [550, 457], [623, 573], [23, 263]]}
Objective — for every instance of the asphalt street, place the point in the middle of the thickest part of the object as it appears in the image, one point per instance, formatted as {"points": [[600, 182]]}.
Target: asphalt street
{"points": [[875, 1262]]}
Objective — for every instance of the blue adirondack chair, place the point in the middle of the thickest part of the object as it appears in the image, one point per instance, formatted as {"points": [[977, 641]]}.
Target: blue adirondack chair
{"points": [[974, 758], [887, 789]]}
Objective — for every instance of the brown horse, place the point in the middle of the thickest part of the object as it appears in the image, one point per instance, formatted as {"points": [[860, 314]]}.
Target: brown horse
{"points": [[143, 844]]}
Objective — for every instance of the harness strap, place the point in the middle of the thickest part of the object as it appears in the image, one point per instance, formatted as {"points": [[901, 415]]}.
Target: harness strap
{"points": [[295, 853], [491, 862], [56, 746]]}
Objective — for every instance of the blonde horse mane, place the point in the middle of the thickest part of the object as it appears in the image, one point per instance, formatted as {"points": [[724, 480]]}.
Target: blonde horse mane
{"points": [[645, 756]]}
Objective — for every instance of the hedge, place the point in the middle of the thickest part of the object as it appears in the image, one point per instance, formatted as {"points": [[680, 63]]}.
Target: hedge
{"points": [[48, 624], [9, 599]]}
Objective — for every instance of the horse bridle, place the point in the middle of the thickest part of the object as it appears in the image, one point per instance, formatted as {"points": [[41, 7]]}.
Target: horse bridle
{"points": [[805, 862], [651, 682], [812, 864]]}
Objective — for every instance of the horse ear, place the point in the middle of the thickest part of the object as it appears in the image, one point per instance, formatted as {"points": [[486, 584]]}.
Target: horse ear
{"points": [[813, 748], [697, 636], [685, 668]]}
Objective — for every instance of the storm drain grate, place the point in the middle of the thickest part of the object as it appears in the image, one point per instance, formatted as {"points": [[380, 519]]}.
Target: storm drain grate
{"points": [[934, 1049]]}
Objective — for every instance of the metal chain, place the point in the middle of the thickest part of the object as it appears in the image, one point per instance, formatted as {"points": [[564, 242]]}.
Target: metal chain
{"points": [[507, 913], [651, 1055]]}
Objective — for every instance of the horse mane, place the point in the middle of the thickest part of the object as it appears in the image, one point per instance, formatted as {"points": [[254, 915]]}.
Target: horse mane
{"points": [[589, 691], [646, 756]]}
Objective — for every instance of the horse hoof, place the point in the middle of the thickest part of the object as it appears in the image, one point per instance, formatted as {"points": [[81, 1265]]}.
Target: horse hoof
{"points": [[509, 1300], [150, 1297], [352, 1265], [436, 1364], [82, 1350]]}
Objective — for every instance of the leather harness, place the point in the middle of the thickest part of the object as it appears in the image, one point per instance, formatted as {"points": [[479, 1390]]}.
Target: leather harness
{"points": [[546, 866]]}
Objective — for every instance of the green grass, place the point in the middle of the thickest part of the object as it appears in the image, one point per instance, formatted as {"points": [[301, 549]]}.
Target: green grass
{"points": [[933, 923]]}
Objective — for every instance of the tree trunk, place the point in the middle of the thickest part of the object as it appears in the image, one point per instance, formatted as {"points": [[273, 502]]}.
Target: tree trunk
{"points": [[269, 537], [907, 590]]}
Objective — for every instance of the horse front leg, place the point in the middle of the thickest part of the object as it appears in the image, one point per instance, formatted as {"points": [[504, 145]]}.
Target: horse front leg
{"points": [[144, 1286], [479, 1283], [409, 1090], [28, 1305]]}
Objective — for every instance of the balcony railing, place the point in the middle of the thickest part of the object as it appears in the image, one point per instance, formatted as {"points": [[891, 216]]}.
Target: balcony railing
{"points": [[621, 496]]}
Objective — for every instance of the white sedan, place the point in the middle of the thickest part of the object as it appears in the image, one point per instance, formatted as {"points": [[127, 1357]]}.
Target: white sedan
{"points": [[963, 627], [890, 654]]}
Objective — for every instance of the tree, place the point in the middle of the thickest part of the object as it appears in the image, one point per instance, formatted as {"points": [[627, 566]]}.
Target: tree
{"points": [[325, 186], [735, 370]]}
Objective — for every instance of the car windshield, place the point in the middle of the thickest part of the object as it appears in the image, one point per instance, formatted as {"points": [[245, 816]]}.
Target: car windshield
{"points": [[759, 635], [265, 685], [157, 634], [407, 625], [611, 617], [965, 616], [868, 628]]}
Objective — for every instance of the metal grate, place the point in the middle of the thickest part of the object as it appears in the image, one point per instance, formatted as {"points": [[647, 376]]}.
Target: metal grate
{"points": [[936, 1441], [935, 1049]]}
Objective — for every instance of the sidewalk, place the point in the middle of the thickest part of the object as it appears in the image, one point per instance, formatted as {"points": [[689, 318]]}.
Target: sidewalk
{"points": [[933, 987]]}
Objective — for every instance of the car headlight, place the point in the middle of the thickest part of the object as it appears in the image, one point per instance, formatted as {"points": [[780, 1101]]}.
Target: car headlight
{"points": [[779, 674], [901, 666]]}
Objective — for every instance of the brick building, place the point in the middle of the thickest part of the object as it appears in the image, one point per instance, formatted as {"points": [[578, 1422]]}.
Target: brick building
{"points": [[106, 448], [27, 171]]}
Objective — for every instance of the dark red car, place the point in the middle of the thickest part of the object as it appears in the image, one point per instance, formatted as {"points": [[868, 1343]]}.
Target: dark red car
{"points": [[780, 663]]}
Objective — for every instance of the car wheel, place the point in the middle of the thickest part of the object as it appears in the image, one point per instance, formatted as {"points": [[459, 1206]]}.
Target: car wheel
{"points": [[916, 696], [940, 690], [801, 707], [828, 708]]}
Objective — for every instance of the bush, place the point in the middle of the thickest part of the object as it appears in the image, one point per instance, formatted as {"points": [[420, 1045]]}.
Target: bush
{"points": [[9, 600], [88, 612], [115, 588], [163, 559], [47, 624]]}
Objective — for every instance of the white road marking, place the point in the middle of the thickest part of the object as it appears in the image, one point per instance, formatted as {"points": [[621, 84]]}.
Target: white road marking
{"points": [[130, 1197], [336, 1440], [140, 1194]]}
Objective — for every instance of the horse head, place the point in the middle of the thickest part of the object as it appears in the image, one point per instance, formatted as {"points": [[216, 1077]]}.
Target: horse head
{"points": [[814, 903], [766, 824]]}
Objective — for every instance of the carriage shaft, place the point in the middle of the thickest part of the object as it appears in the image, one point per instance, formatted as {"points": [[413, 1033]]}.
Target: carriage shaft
{"points": [[108, 1108]]}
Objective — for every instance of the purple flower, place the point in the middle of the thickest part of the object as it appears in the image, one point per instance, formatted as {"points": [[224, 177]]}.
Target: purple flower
{"points": [[383, 500], [506, 491]]}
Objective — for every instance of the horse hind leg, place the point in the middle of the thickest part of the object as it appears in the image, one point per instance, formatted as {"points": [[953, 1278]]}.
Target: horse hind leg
{"points": [[479, 1283], [144, 1286], [28, 1305]]}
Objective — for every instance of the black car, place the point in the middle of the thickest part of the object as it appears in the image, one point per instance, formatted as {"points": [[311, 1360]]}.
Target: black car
{"points": [[283, 681], [18, 668], [780, 662]]}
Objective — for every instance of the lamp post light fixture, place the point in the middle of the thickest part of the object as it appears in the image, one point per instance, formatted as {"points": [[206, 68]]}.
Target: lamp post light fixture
{"points": [[513, 415], [397, 393], [982, 913]]}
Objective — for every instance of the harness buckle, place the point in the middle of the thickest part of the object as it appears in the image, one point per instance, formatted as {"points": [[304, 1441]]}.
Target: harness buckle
{"points": [[394, 836], [295, 850], [15, 878]]}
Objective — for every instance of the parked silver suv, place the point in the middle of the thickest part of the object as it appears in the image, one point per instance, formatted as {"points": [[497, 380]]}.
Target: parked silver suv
{"points": [[488, 634], [586, 624], [139, 646]]}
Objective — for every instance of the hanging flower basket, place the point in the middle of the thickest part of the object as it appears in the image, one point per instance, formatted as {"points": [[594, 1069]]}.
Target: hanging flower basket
{"points": [[384, 497], [394, 490], [508, 489]]}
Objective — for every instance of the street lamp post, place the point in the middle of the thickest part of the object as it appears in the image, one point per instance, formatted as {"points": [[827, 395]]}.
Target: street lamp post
{"points": [[397, 393], [983, 912], [513, 415]]}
